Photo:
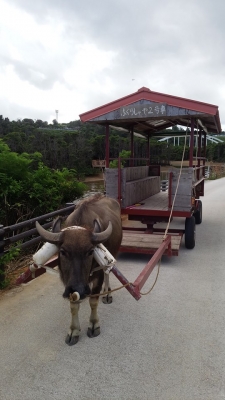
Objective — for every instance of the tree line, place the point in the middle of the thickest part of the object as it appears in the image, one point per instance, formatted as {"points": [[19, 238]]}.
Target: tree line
{"points": [[42, 165], [75, 144]]}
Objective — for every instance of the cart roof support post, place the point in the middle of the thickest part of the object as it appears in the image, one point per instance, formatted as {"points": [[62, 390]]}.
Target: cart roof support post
{"points": [[119, 181], [148, 150], [204, 144], [107, 146], [191, 143], [199, 153], [132, 145]]}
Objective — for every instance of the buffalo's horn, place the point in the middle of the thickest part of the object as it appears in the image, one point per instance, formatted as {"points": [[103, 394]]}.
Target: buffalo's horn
{"points": [[50, 237], [100, 237], [56, 226]]}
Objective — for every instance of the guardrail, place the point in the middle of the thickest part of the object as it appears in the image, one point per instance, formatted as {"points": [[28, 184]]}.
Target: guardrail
{"points": [[207, 172], [164, 185], [25, 230]]}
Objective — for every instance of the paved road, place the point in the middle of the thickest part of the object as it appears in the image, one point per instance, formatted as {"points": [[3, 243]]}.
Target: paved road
{"points": [[169, 345]]}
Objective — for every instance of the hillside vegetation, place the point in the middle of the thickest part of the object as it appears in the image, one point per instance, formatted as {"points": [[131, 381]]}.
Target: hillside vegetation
{"points": [[42, 165]]}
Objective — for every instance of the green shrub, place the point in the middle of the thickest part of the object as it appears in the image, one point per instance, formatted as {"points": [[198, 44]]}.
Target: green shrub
{"points": [[7, 257], [29, 188], [124, 155]]}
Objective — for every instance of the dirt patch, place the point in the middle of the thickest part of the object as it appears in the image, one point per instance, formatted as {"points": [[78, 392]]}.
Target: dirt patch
{"points": [[14, 269], [94, 178]]}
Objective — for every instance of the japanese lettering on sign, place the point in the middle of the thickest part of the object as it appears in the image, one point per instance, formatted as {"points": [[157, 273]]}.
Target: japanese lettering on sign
{"points": [[143, 110]]}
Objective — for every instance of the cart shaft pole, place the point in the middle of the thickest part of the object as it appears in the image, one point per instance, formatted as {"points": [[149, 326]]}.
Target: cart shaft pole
{"points": [[142, 278], [131, 289]]}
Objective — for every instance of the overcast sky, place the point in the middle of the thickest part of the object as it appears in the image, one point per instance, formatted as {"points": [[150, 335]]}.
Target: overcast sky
{"points": [[73, 55]]}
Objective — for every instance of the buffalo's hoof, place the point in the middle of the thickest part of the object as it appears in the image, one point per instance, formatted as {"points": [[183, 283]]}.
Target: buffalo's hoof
{"points": [[91, 332], [71, 340], [107, 299]]}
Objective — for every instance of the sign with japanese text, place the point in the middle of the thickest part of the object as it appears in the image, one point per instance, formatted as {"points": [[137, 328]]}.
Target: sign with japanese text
{"points": [[143, 110]]}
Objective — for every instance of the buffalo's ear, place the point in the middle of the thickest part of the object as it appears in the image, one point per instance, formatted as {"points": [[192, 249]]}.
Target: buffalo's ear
{"points": [[56, 226], [97, 226]]}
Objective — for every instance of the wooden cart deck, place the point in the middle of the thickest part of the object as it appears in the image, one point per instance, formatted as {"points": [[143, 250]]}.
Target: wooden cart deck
{"points": [[137, 238], [158, 201], [139, 242], [158, 205]]}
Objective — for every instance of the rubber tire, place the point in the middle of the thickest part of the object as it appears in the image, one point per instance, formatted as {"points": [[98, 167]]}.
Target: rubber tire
{"points": [[198, 213], [190, 232]]}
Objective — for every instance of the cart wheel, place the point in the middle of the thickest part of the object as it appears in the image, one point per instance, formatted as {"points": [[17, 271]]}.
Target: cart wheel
{"points": [[198, 213], [190, 232]]}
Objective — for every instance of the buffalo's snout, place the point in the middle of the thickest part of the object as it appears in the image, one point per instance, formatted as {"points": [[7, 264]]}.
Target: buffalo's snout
{"points": [[83, 290]]}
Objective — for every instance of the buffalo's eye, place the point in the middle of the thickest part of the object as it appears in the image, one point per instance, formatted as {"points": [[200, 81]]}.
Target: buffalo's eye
{"points": [[90, 252], [62, 252]]}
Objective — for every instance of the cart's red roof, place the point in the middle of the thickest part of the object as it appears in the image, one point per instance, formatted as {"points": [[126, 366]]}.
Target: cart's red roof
{"points": [[150, 112]]}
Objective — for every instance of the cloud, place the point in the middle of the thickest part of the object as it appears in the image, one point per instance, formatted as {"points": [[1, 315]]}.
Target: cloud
{"points": [[83, 55]]}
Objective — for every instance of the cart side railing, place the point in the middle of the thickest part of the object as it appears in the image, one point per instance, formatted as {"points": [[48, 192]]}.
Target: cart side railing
{"points": [[130, 183]]}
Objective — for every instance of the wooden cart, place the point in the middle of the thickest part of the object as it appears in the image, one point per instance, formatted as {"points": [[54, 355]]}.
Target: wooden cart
{"points": [[137, 186]]}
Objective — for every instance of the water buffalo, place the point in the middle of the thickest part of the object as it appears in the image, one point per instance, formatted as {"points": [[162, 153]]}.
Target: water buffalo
{"points": [[95, 220]]}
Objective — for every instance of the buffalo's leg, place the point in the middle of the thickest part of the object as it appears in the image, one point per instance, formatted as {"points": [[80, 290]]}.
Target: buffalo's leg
{"points": [[107, 299], [94, 326], [74, 331]]}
